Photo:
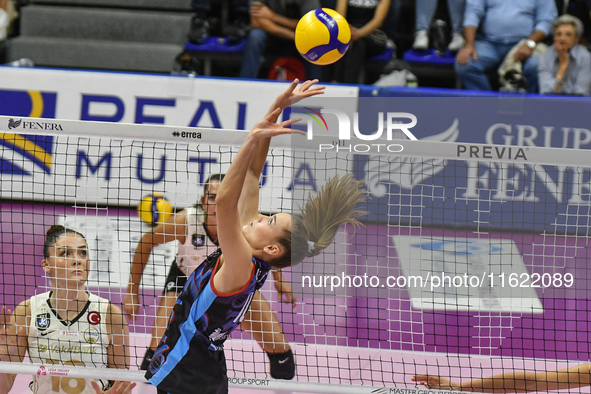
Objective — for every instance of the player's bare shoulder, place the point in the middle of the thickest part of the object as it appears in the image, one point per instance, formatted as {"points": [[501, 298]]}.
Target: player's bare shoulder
{"points": [[22, 313], [115, 315]]}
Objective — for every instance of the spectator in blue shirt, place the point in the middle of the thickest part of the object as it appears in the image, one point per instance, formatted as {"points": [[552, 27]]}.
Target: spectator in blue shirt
{"points": [[501, 24], [565, 68]]}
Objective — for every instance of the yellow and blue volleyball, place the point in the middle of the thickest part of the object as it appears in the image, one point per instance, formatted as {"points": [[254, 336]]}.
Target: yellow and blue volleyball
{"points": [[322, 36], [154, 209]]}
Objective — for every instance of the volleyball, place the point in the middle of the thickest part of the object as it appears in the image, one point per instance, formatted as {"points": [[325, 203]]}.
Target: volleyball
{"points": [[322, 36], [154, 209]]}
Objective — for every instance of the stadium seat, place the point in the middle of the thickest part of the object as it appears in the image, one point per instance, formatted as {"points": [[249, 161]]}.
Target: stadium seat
{"points": [[430, 64], [127, 39], [215, 49], [375, 64]]}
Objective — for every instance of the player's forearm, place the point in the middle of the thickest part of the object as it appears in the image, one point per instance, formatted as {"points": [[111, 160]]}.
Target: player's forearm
{"points": [[231, 188], [248, 205], [259, 158], [511, 382], [140, 260], [277, 275]]}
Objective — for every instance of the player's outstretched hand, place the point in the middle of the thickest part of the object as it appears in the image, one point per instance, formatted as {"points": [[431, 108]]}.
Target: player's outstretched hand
{"points": [[9, 336], [284, 292], [131, 305], [118, 388], [307, 89], [296, 92], [267, 128], [434, 382]]}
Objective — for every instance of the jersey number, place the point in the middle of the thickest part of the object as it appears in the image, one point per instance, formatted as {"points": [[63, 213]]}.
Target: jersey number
{"points": [[68, 385]]}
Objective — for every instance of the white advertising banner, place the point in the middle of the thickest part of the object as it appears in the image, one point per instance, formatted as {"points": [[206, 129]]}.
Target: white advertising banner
{"points": [[47, 161]]}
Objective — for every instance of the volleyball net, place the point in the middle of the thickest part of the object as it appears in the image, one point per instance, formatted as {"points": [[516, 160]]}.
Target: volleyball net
{"points": [[472, 259]]}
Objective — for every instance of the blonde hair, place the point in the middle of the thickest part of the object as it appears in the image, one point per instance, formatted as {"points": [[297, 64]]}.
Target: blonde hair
{"points": [[320, 220]]}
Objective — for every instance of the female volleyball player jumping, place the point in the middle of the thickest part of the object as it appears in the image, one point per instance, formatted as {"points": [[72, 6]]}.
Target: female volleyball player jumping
{"points": [[196, 230], [67, 325], [219, 292]]}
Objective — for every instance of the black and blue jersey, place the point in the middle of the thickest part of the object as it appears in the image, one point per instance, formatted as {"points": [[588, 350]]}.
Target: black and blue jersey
{"points": [[190, 354]]}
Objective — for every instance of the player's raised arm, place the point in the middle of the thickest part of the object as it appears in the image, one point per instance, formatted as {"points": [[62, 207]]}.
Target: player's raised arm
{"points": [[172, 229], [248, 205], [237, 267]]}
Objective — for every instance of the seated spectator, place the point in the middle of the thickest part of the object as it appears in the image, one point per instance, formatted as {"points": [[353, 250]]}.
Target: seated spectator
{"points": [[565, 68], [582, 10], [502, 23], [365, 18], [425, 10], [273, 32], [200, 28]]}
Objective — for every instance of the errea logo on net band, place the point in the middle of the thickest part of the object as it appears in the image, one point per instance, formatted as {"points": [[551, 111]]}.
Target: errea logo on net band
{"points": [[394, 122]]}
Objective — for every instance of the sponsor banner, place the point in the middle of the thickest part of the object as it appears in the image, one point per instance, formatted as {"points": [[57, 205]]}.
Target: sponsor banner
{"points": [[498, 187], [68, 169], [145, 98]]}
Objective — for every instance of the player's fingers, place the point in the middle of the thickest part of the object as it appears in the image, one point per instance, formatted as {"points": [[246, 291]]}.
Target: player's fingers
{"points": [[96, 387], [321, 87], [289, 122], [313, 91], [124, 387], [118, 386], [272, 117], [286, 131], [291, 87], [129, 387], [284, 297], [5, 315], [21, 332], [307, 84]]}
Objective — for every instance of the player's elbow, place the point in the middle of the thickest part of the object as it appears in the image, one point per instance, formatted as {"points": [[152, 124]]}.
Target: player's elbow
{"points": [[147, 239], [223, 201]]}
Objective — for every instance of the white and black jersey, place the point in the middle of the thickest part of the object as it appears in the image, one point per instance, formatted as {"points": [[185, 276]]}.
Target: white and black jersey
{"points": [[82, 341]]}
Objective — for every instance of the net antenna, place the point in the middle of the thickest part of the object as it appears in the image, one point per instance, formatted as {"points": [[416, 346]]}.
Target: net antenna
{"points": [[373, 306]]}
